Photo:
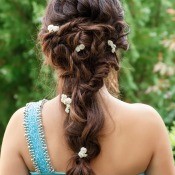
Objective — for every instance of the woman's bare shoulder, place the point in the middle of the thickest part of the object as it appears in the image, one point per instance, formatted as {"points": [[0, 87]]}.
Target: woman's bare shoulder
{"points": [[14, 128], [139, 118], [146, 125], [16, 120], [14, 134], [138, 111]]}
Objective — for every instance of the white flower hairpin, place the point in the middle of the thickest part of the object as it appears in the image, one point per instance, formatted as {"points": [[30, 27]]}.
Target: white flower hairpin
{"points": [[52, 28], [113, 46], [83, 152], [67, 101], [80, 47]]}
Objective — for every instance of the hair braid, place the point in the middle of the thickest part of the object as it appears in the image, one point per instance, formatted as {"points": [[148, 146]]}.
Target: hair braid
{"points": [[83, 72]]}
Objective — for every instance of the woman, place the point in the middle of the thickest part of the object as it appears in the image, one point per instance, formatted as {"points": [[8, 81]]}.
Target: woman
{"points": [[84, 129]]}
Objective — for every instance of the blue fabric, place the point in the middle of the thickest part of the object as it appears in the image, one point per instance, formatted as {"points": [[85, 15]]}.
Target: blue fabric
{"points": [[54, 173], [35, 140], [34, 135], [57, 173]]}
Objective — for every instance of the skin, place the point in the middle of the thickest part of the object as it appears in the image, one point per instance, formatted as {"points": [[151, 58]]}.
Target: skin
{"points": [[134, 140]]}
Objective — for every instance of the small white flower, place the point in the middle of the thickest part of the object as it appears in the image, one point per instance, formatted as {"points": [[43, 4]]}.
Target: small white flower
{"points": [[68, 105], [83, 152], [67, 110], [113, 46], [67, 101], [80, 47], [63, 98], [113, 50], [110, 42], [52, 28]]}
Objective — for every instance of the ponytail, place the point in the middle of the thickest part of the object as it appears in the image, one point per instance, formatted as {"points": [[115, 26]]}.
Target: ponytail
{"points": [[83, 69]]}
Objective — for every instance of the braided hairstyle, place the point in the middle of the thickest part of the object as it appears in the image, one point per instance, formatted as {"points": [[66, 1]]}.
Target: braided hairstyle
{"points": [[92, 23]]}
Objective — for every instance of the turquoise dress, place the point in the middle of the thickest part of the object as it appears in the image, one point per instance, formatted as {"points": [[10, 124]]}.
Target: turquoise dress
{"points": [[35, 138]]}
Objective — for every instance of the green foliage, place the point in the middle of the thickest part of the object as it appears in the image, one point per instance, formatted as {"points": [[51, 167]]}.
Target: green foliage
{"points": [[19, 57], [148, 70], [147, 73]]}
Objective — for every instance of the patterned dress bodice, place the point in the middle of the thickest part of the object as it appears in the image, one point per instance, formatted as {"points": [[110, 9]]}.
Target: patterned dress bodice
{"points": [[35, 138]]}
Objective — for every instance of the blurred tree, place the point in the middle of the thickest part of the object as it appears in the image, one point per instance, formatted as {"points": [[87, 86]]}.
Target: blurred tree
{"points": [[19, 67], [148, 68]]}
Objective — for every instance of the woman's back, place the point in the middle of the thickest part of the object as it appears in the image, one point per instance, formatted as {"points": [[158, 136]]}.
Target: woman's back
{"points": [[126, 149]]}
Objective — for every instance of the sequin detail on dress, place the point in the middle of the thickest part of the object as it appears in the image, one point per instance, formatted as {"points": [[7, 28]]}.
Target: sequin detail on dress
{"points": [[34, 134]]}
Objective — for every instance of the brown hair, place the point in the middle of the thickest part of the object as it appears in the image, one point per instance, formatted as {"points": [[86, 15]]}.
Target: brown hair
{"points": [[92, 23]]}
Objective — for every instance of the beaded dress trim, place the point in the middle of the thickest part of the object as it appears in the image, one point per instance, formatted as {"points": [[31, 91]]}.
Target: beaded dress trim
{"points": [[34, 134]]}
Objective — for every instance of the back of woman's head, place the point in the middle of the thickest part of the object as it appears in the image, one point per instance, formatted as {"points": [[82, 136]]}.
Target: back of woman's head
{"points": [[93, 23]]}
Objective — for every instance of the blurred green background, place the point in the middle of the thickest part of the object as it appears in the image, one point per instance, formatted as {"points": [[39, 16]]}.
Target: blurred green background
{"points": [[148, 69]]}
